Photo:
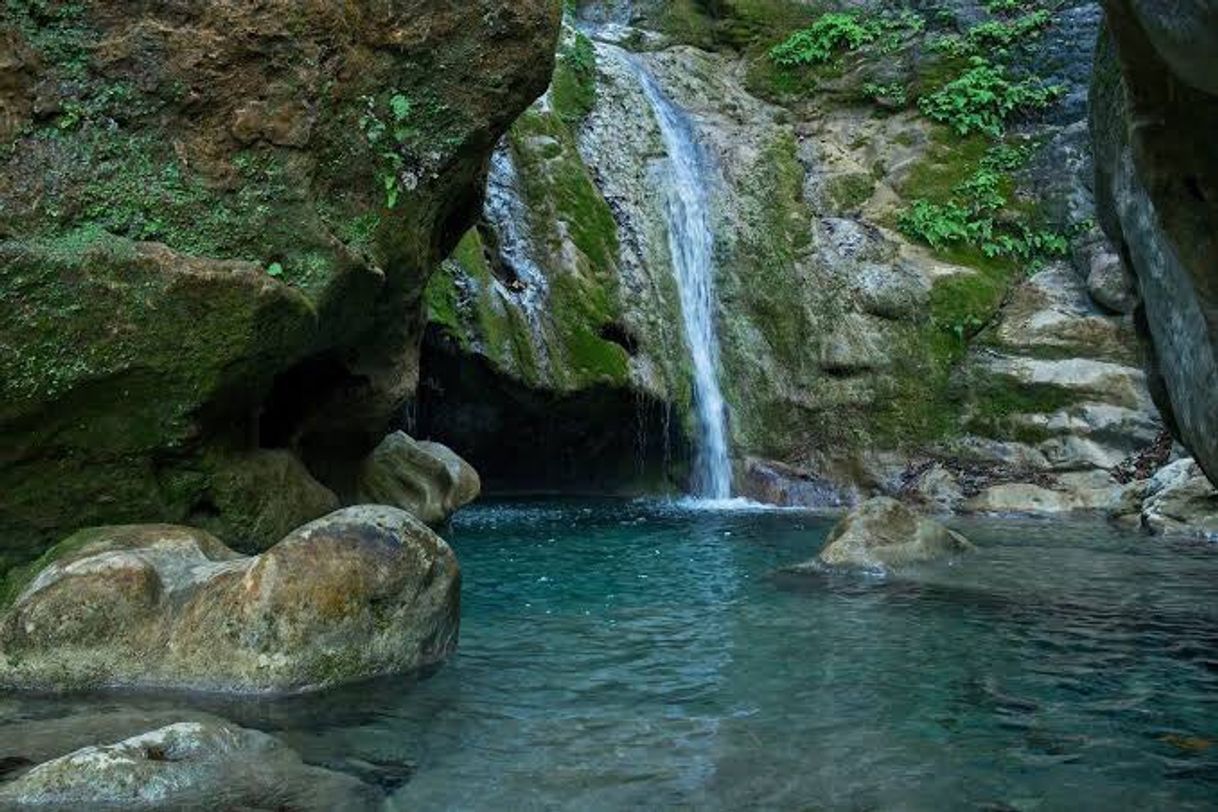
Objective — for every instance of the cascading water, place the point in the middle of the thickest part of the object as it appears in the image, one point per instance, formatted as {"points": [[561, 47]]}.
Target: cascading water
{"points": [[691, 245]]}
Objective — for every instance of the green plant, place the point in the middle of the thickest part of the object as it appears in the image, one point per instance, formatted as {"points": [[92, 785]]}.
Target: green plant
{"points": [[893, 94], [389, 137], [977, 214], [836, 31], [983, 97]]}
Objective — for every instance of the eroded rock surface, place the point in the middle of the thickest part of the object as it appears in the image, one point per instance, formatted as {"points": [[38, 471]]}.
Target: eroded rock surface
{"points": [[426, 479], [1154, 114], [882, 535], [363, 592], [1180, 501], [186, 765], [216, 224]]}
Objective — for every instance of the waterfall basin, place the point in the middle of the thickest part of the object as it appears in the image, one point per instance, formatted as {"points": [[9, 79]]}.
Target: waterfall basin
{"points": [[647, 655]]}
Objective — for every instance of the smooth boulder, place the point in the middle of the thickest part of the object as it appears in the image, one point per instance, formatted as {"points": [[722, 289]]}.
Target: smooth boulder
{"points": [[427, 479], [881, 535], [363, 592], [186, 765]]}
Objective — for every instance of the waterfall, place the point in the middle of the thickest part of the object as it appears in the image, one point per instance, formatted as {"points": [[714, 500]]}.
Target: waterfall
{"points": [[691, 246]]}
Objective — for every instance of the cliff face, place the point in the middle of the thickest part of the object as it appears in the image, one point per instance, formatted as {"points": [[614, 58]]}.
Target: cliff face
{"points": [[1154, 115], [216, 224], [904, 307]]}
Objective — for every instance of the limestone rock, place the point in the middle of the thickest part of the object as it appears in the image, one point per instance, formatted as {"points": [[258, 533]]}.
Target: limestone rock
{"points": [[1066, 496], [363, 592], [1180, 501], [209, 246], [1154, 114], [427, 479], [187, 765], [883, 534]]}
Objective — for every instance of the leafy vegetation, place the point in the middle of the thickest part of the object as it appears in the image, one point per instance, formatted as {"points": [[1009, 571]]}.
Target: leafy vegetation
{"points": [[983, 97], [972, 215], [833, 32]]}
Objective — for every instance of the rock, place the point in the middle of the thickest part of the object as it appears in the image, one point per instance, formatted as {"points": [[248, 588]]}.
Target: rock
{"points": [[264, 495], [1015, 498], [1154, 114], [427, 479], [937, 488], [188, 765], [883, 534], [1109, 283], [363, 592], [1180, 501], [774, 483], [199, 255]]}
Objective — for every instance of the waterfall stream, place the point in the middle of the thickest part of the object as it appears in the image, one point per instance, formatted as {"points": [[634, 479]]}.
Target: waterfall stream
{"points": [[691, 245]]}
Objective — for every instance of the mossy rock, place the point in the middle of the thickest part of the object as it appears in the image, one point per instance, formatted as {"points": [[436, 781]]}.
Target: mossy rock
{"points": [[215, 240]]}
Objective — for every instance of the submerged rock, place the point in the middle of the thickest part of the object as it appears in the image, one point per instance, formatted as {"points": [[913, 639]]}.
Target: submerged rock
{"points": [[187, 765], [883, 534], [427, 479], [363, 592]]}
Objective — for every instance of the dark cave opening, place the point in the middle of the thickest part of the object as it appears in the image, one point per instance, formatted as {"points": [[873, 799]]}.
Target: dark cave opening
{"points": [[294, 396], [600, 440]]}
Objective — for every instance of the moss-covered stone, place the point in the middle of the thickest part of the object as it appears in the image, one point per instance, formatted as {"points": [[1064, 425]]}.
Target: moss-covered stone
{"points": [[216, 223]]}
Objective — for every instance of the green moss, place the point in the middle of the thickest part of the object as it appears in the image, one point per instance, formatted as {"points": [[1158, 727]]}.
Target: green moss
{"points": [[997, 403], [778, 234], [441, 299], [573, 88], [849, 192]]}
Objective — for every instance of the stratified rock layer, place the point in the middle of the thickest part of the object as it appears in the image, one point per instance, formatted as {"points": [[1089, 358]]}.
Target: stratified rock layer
{"points": [[216, 224], [363, 592]]}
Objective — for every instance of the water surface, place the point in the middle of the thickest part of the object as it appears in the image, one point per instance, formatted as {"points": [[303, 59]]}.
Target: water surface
{"points": [[642, 655]]}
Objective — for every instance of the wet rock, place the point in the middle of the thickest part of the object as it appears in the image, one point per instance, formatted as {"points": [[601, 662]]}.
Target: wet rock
{"points": [[427, 479], [188, 765], [883, 534], [363, 592], [776, 484], [1180, 501]]}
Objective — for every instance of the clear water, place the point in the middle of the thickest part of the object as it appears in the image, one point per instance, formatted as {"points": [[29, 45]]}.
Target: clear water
{"points": [[691, 245], [625, 655]]}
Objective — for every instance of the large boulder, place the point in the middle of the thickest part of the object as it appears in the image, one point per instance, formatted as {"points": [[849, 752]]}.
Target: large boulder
{"points": [[428, 479], [1154, 115], [881, 535], [217, 221], [363, 592], [187, 765]]}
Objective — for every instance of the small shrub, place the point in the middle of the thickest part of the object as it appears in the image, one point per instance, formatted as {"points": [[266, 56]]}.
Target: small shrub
{"points": [[817, 44], [892, 94], [971, 217], [983, 97]]}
